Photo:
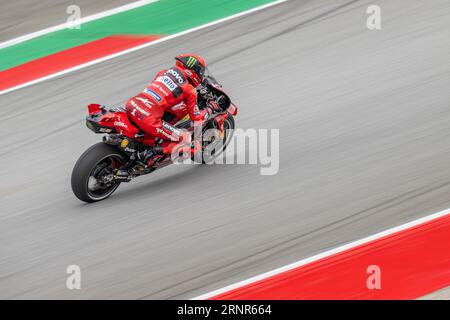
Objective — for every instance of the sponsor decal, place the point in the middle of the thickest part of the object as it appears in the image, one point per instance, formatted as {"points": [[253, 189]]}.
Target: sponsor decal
{"points": [[106, 130], [171, 128], [153, 94], [165, 80], [142, 111], [147, 102], [137, 108], [179, 106], [124, 143], [177, 76], [166, 134], [120, 124], [157, 86], [191, 62], [129, 150]]}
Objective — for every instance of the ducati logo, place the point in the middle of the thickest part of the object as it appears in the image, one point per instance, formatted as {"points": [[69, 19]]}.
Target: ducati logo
{"points": [[119, 124]]}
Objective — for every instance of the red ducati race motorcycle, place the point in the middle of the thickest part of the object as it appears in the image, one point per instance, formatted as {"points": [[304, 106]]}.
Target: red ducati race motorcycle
{"points": [[93, 177]]}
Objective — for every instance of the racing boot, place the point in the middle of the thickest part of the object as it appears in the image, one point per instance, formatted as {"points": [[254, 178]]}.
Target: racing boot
{"points": [[146, 156], [143, 157], [183, 148]]}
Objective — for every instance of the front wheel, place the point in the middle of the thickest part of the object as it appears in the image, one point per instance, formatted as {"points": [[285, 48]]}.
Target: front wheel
{"points": [[214, 142], [92, 177]]}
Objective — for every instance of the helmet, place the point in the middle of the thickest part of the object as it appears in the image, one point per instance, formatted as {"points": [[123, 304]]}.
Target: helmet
{"points": [[193, 65]]}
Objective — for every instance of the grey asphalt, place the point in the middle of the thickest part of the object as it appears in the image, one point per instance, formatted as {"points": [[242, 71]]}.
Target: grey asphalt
{"points": [[20, 17], [443, 294], [364, 124]]}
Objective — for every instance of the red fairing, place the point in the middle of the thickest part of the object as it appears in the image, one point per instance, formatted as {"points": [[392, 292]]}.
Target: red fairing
{"points": [[120, 121], [232, 109], [94, 108]]}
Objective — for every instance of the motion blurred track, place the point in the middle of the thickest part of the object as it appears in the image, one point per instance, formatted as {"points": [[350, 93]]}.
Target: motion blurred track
{"points": [[20, 17], [364, 124]]}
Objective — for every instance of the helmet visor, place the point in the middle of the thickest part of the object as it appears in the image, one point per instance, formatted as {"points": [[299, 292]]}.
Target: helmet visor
{"points": [[199, 69]]}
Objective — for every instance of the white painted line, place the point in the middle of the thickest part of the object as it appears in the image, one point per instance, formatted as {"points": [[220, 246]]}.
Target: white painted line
{"points": [[176, 35], [62, 26], [325, 254]]}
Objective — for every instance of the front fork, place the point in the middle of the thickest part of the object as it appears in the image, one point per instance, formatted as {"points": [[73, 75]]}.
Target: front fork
{"points": [[220, 120]]}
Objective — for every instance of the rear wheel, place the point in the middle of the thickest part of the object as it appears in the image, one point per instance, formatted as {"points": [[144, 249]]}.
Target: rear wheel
{"points": [[92, 177]]}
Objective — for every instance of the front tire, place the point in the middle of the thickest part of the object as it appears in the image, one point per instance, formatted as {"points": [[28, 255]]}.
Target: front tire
{"points": [[91, 169], [209, 154]]}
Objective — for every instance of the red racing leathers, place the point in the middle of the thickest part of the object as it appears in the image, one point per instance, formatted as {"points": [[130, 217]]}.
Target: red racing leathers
{"points": [[170, 87]]}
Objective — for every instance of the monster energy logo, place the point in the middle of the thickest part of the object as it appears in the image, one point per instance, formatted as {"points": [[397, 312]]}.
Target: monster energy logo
{"points": [[191, 62]]}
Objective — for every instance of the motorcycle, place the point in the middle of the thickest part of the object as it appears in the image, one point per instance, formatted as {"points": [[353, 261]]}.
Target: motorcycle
{"points": [[93, 176]]}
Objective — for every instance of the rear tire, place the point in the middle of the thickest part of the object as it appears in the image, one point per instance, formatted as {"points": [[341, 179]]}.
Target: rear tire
{"points": [[97, 156]]}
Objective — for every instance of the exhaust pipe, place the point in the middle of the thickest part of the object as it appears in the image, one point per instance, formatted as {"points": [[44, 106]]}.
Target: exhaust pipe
{"points": [[112, 140]]}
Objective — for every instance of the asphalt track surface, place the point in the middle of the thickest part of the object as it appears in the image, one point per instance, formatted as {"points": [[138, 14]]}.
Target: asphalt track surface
{"points": [[443, 294], [20, 17], [364, 124]]}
